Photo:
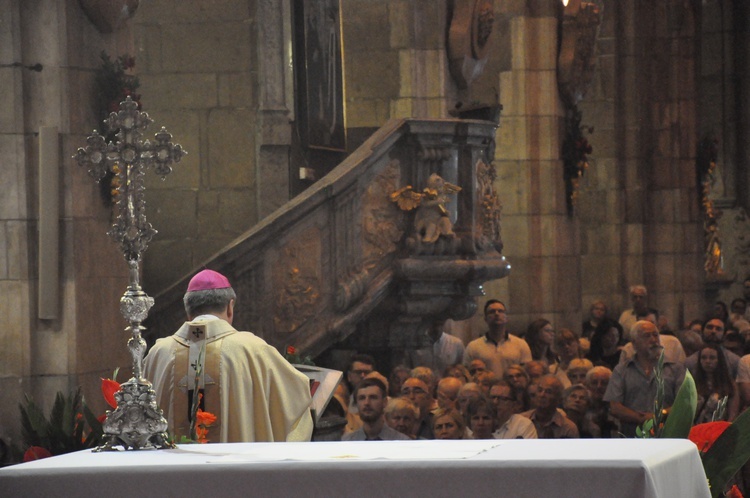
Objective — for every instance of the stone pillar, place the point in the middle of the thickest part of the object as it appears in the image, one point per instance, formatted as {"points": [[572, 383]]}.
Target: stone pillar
{"points": [[422, 61], [49, 50], [541, 242], [670, 263], [275, 106]]}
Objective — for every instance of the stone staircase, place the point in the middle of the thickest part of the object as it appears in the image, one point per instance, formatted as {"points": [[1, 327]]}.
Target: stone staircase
{"points": [[343, 259]]}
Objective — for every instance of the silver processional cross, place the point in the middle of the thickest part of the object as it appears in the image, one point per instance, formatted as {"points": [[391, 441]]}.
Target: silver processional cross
{"points": [[137, 422]]}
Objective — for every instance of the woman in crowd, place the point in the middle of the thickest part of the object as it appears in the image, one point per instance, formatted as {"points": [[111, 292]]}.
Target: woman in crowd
{"points": [[576, 402], [518, 379], [448, 424], [713, 382], [597, 314], [481, 416], [540, 336], [578, 369], [402, 415], [606, 344], [567, 347], [458, 371]]}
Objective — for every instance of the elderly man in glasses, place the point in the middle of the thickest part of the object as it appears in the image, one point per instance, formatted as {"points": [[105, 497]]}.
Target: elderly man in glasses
{"points": [[419, 393], [510, 425]]}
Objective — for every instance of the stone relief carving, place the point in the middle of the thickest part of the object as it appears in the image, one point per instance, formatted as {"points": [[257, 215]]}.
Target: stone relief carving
{"points": [[489, 208], [382, 229], [297, 298]]}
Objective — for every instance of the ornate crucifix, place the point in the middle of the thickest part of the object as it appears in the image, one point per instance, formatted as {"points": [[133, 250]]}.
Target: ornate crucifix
{"points": [[137, 422]]}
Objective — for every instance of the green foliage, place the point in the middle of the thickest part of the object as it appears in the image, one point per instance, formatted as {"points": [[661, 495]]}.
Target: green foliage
{"points": [[681, 416], [728, 453], [64, 431]]}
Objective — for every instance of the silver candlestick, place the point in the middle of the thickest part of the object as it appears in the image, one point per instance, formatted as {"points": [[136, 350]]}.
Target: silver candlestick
{"points": [[137, 422]]}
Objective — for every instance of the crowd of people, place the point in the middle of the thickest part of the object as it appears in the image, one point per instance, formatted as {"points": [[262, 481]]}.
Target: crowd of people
{"points": [[596, 382]]}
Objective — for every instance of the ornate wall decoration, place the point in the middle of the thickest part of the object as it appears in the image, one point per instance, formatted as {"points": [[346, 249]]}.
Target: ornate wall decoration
{"points": [[708, 153], [382, 224], [575, 69], [490, 208], [470, 29], [297, 299], [576, 61], [382, 229], [109, 15]]}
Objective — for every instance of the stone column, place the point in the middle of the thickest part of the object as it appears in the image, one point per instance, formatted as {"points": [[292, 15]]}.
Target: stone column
{"points": [[275, 106], [541, 242]]}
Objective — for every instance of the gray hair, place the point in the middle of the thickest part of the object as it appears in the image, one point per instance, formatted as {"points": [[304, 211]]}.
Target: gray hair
{"points": [[638, 326], [401, 404], [597, 370], [642, 287], [207, 301]]}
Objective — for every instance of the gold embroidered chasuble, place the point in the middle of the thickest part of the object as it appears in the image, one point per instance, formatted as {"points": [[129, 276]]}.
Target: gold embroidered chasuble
{"points": [[254, 392]]}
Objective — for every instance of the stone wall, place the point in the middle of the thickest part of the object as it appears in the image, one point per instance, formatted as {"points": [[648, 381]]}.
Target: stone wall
{"points": [[639, 212], [86, 339], [198, 67]]}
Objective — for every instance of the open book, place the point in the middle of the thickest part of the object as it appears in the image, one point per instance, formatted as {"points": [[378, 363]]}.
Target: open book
{"points": [[323, 382]]}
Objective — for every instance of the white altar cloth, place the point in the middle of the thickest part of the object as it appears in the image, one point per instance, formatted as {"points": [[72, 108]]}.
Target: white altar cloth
{"points": [[627, 468]]}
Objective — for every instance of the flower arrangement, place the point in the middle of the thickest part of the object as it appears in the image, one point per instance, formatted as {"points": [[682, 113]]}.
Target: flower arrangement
{"points": [[575, 151], [71, 426], [724, 447]]}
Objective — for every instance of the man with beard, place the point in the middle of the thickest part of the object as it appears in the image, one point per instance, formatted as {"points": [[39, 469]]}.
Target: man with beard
{"points": [[713, 335], [371, 399], [632, 388]]}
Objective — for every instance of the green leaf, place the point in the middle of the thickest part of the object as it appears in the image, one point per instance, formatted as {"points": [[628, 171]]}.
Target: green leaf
{"points": [[728, 454], [644, 431], [34, 425], [682, 414]]}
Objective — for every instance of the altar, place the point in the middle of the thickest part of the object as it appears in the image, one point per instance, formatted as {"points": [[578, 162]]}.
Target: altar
{"points": [[626, 468]]}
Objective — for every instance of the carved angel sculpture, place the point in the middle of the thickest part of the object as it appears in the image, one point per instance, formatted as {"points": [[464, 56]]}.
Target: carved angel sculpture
{"points": [[431, 218]]}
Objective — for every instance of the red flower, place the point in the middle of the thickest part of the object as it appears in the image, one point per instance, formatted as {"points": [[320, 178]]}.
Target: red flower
{"points": [[291, 350], [704, 435], [202, 421], [109, 388], [204, 418], [734, 492], [36, 453]]}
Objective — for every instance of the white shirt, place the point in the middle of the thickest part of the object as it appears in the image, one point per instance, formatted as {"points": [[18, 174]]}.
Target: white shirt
{"points": [[516, 427]]}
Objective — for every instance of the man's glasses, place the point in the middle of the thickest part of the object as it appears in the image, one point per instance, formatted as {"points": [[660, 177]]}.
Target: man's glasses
{"points": [[418, 391]]}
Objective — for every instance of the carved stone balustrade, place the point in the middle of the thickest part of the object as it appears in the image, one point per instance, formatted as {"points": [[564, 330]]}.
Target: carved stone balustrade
{"points": [[343, 254]]}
